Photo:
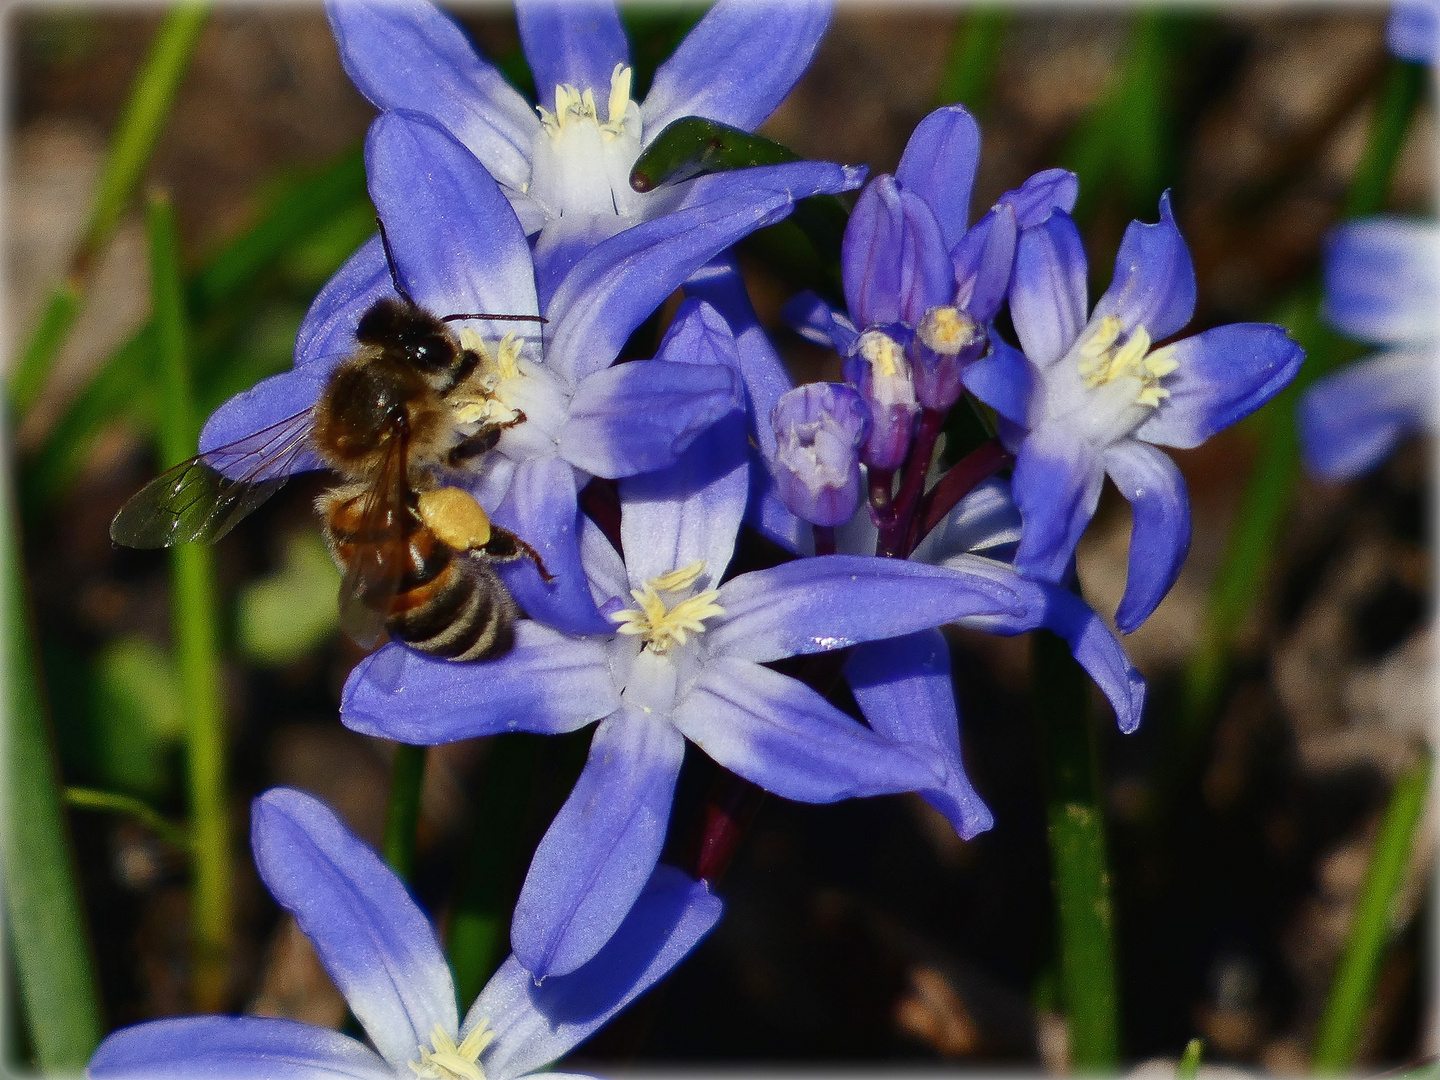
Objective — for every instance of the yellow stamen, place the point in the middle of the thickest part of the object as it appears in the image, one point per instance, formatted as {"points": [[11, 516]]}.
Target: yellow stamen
{"points": [[446, 1061], [1101, 362], [573, 104], [883, 352], [661, 625], [946, 330]]}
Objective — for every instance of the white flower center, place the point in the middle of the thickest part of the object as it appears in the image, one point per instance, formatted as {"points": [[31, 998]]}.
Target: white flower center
{"points": [[663, 620], [1104, 360], [443, 1060], [580, 164]]}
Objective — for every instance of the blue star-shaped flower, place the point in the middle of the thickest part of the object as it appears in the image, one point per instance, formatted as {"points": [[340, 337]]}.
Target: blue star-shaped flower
{"points": [[381, 952]]}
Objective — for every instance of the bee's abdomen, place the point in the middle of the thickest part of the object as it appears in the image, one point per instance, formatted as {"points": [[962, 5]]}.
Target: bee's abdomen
{"points": [[460, 613]]}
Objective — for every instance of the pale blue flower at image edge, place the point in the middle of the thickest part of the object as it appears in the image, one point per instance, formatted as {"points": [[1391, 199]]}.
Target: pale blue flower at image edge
{"points": [[381, 952], [1382, 285]]}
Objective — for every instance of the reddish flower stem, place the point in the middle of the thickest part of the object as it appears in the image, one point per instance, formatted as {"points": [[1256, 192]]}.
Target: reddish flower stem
{"points": [[961, 479]]}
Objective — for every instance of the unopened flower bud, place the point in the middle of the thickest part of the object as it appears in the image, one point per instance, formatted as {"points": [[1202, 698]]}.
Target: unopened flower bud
{"points": [[878, 368], [819, 428]]}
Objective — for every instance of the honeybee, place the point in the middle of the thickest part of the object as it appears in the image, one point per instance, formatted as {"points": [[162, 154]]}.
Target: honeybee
{"points": [[416, 556]]}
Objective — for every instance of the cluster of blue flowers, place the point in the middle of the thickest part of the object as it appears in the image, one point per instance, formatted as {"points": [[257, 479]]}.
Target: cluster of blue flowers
{"points": [[650, 630]]}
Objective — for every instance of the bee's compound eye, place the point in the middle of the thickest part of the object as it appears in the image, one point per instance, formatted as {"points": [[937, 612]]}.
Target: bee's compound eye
{"points": [[455, 517]]}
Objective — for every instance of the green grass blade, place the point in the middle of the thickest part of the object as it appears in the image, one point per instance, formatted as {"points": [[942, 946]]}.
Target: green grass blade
{"points": [[1190, 1060], [974, 56], [195, 619], [1373, 928], [402, 813], [1078, 861], [152, 95], [47, 923], [115, 803], [302, 210]]}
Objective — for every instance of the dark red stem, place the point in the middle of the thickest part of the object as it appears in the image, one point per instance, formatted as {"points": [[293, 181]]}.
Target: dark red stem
{"points": [[961, 479]]}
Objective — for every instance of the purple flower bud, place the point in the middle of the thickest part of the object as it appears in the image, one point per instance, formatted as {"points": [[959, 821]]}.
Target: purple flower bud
{"points": [[878, 368], [946, 341], [818, 431]]}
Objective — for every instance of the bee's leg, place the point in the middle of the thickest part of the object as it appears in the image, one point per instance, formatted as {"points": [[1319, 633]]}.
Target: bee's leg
{"points": [[482, 442], [505, 546]]}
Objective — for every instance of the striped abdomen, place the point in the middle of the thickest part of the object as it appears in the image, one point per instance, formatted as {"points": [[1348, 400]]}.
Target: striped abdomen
{"points": [[447, 603]]}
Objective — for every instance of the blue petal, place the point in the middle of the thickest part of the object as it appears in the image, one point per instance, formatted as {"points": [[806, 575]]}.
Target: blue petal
{"points": [[1154, 283], [535, 1025], [904, 689], [894, 259], [1095, 647], [408, 54], [577, 42], [1225, 374], [819, 322], [233, 1048], [986, 518], [939, 165], [541, 508], [737, 64], [1041, 195], [983, 261], [764, 374], [256, 424], [782, 735], [376, 945], [1056, 485], [1413, 32], [691, 510], [1350, 421], [1048, 291], [458, 246], [829, 602], [1160, 535], [602, 846], [641, 416], [616, 286], [328, 329], [1004, 380], [1382, 276], [548, 683]]}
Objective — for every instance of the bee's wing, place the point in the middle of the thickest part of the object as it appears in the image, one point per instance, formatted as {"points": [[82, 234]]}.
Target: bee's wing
{"points": [[205, 497], [373, 575]]}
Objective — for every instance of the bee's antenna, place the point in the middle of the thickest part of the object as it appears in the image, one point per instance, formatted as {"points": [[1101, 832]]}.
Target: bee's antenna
{"points": [[390, 262], [486, 315]]}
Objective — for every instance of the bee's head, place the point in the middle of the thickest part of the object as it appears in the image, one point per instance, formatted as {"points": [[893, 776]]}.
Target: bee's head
{"points": [[410, 333]]}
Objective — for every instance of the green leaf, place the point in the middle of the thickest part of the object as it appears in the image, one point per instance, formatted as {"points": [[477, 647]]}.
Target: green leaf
{"points": [[195, 619], [692, 146], [1353, 991], [293, 610], [46, 921]]}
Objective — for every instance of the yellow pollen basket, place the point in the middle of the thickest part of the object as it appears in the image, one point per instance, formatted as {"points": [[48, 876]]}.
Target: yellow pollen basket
{"points": [[660, 625], [572, 104], [446, 1061], [883, 353], [1101, 362]]}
